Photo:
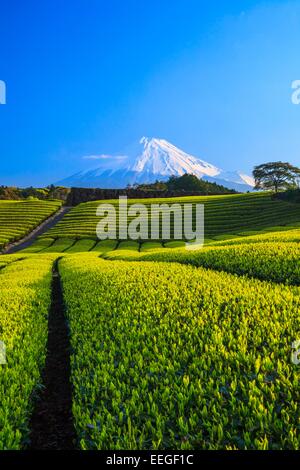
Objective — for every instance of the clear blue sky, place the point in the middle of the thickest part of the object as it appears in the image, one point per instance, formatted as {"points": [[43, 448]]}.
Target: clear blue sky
{"points": [[91, 77]]}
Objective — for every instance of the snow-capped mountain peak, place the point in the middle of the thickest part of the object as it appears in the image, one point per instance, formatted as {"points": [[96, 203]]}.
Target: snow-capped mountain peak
{"points": [[162, 158]]}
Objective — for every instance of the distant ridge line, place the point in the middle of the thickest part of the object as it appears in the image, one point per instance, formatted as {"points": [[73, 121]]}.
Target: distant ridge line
{"points": [[78, 195]]}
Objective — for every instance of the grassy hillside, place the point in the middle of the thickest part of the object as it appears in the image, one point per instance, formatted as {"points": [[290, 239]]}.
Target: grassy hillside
{"points": [[229, 214], [18, 218]]}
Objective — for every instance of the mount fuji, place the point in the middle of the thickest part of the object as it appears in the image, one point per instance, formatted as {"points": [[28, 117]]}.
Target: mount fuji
{"points": [[153, 159]]}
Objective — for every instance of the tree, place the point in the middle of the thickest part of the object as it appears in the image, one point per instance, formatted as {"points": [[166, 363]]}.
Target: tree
{"points": [[185, 182], [276, 176], [190, 183]]}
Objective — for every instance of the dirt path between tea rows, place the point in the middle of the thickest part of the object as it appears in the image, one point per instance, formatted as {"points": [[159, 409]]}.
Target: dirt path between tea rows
{"points": [[51, 423]]}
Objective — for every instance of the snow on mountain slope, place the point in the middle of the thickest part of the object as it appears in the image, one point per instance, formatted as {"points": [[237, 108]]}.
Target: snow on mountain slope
{"points": [[236, 177], [247, 179], [155, 159]]}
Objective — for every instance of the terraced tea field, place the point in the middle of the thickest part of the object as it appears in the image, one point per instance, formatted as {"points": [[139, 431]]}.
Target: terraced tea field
{"points": [[224, 215], [18, 218], [24, 305], [277, 262], [169, 348]]}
